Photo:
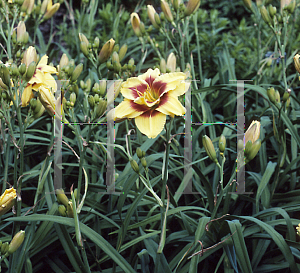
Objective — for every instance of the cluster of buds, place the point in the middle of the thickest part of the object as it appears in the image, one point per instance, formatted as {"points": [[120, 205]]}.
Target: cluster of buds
{"points": [[7, 249], [252, 143], [170, 65], [210, 149], [141, 155], [40, 11], [274, 97], [66, 206], [67, 69]]}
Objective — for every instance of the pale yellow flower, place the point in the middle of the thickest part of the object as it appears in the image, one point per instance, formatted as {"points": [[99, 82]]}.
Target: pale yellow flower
{"points": [[150, 97]]}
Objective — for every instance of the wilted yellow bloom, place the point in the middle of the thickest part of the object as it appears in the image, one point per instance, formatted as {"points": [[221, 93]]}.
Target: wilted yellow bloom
{"points": [[7, 200], [150, 97], [253, 132]]}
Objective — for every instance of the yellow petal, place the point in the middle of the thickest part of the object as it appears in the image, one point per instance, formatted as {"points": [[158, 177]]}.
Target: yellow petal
{"points": [[181, 89], [150, 75], [129, 109], [151, 123], [27, 95], [172, 80], [170, 105], [131, 87]]}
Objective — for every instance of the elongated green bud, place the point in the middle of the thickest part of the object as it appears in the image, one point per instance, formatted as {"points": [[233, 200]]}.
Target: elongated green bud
{"points": [[285, 96], [277, 96], [144, 162], [139, 152], [16, 242], [254, 150], [248, 147], [209, 148], [166, 10], [222, 143], [61, 197], [62, 210], [122, 52], [22, 69], [91, 101], [4, 248], [30, 70], [102, 88], [76, 73], [84, 48], [70, 209], [271, 94], [265, 15], [101, 108], [272, 10], [4, 75], [134, 166]]}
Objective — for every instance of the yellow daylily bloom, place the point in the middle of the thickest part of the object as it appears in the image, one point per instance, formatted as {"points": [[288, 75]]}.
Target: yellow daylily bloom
{"points": [[7, 200], [41, 77], [150, 97]]}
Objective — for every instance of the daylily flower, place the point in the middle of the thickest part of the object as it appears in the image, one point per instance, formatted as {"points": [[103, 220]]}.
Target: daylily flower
{"points": [[150, 97], [41, 77]]}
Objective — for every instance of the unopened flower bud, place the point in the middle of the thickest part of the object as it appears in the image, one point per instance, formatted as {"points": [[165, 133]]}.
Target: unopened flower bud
{"points": [[97, 98], [288, 102], [61, 197], [277, 96], [248, 147], [151, 14], [73, 97], [134, 166], [265, 15], [50, 12], [254, 150], [76, 73], [115, 57], [135, 23], [163, 66], [144, 162], [101, 107], [166, 10], [96, 43], [139, 152], [22, 69], [171, 62], [253, 132], [91, 101], [4, 248], [7, 200], [191, 7], [4, 75], [122, 52], [27, 6], [248, 4], [21, 30], [16, 242], [209, 148], [240, 145], [291, 6], [102, 88], [106, 51], [30, 71], [62, 210], [222, 143], [272, 11], [84, 49], [44, 6], [285, 96], [176, 4], [271, 94]]}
